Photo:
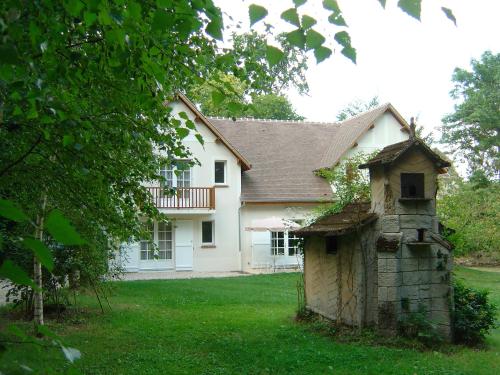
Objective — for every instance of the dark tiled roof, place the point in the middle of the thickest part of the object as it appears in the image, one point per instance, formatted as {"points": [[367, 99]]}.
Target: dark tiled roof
{"points": [[392, 152], [285, 154], [346, 221]]}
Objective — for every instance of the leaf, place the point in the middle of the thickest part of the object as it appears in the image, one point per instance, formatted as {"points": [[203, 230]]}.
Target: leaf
{"points": [[411, 7], [256, 13], [17, 275], [350, 53], [45, 331], [61, 230], [291, 16], [217, 97], [296, 38], [42, 252], [234, 106], [321, 53], [331, 5], [382, 2], [89, 18], [337, 19], [199, 138], [11, 211], [74, 7], [214, 29], [308, 22], [314, 39], [8, 54], [182, 132], [160, 20], [274, 55], [343, 38], [298, 3], [449, 14], [68, 139], [71, 354]]}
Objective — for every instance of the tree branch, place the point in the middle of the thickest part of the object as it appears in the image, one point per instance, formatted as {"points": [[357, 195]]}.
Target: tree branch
{"points": [[15, 162]]}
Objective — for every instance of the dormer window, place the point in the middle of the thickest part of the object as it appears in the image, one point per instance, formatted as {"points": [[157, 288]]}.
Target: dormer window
{"points": [[412, 185]]}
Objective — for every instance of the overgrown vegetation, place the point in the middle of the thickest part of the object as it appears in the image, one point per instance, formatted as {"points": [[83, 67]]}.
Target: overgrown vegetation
{"points": [[416, 325], [470, 212], [474, 315]]}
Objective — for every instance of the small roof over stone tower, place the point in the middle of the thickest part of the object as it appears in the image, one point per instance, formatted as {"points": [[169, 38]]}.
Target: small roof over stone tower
{"points": [[404, 173]]}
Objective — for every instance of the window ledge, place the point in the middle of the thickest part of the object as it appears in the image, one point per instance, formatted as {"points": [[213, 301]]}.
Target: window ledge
{"points": [[221, 185], [415, 199], [208, 246]]}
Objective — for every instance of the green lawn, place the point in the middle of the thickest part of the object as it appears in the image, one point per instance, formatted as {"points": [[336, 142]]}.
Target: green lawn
{"points": [[238, 325]]}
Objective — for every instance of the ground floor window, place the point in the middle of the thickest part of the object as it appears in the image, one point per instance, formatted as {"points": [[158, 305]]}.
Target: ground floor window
{"points": [[159, 245], [207, 232], [284, 243]]}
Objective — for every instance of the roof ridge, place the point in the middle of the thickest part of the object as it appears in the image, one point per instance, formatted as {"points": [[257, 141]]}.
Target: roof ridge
{"points": [[386, 104], [270, 120]]}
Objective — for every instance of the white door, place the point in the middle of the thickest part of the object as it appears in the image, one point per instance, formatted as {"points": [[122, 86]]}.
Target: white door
{"points": [[184, 245]]}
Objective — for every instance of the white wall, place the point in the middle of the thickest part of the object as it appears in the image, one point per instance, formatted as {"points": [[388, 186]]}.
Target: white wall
{"points": [[225, 255]]}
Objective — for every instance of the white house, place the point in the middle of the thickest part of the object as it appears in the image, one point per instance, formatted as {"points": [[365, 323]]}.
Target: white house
{"points": [[256, 180]]}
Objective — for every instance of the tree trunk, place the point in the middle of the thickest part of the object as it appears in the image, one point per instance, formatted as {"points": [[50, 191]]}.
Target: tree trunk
{"points": [[37, 274]]}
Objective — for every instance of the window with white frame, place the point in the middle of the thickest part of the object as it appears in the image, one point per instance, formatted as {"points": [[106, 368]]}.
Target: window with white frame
{"points": [[161, 238], [220, 171], [207, 233], [147, 244], [284, 243], [177, 176], [164, 240]]}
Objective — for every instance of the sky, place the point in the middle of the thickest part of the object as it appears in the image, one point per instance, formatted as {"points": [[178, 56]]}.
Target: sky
{"points": [[402, 61]]}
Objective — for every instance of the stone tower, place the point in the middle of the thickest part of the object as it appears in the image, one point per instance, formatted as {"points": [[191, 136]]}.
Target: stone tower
{"points": [[413, 262]]}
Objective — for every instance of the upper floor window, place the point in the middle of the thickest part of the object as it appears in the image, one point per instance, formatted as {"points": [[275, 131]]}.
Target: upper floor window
{"points": [[412, 185], [176, 175], [220, 172]]}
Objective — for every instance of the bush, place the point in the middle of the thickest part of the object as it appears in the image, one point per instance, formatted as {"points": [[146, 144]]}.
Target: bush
{"points": [[474, 315], [416, 325]]}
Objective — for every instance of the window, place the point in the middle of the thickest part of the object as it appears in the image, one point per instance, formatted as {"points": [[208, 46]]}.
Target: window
{"points": [[277, 243], [331, 245], [412, 185], [220, 172], [164, 240], [284, 243], [176, 175], [147, 245], [207, 232]]}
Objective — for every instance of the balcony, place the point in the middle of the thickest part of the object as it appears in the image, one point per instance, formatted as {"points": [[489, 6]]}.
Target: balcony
{"points": [[184, 198]]}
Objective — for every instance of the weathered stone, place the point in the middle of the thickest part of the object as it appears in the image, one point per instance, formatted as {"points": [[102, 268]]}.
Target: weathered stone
{"points": [[408, 252], [424, 292], [415, 221], [405, 208], [435, 224], [424, 263], [382, 293], [389, 242], [409, 264], [410, 292], [392, 293], [425, 207], [440, 316], [411, 278], [390, 223], [392, 265], [409, 235], [440, 291], [389, 279]]}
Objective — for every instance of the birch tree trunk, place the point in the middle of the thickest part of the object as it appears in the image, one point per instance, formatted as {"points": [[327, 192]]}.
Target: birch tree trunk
{"points": [[37, 269]]}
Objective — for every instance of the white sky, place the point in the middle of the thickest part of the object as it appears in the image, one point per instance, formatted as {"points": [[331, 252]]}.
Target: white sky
{"points": [[403, 61]]}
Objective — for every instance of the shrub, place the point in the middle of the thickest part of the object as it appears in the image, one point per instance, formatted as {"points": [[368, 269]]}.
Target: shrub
{"points": [[474, 315], [416, 325]]}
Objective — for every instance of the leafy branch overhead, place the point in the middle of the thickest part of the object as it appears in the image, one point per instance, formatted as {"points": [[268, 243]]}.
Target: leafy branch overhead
{"points": [[305, 38]]}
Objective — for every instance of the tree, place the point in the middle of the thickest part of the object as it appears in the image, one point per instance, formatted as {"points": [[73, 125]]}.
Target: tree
{"points": [[473, 129], [356, 107], [272, 106]]}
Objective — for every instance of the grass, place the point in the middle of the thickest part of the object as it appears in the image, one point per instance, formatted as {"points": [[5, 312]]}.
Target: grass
{"points": [[239, 325]]}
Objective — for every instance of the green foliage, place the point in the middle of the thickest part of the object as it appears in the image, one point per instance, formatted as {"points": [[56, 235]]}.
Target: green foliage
{"points": [[471, 212], [472, 130], [356, 107], [416, 325], [349, 183], [473, 316]]}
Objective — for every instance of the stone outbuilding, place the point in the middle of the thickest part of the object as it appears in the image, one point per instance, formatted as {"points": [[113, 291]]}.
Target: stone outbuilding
{"points": [[373, 263]]}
